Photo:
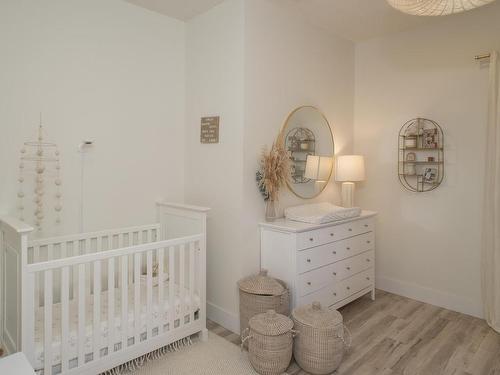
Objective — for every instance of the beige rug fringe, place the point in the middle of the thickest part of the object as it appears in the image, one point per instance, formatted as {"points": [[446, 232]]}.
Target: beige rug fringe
{"points": [[138, 362]]}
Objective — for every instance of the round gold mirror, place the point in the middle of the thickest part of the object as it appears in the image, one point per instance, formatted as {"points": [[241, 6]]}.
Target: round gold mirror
{"points": [[308, 139]]}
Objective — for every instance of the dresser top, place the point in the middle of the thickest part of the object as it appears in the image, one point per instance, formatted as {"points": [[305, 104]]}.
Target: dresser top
{"points": [[297, 226]]}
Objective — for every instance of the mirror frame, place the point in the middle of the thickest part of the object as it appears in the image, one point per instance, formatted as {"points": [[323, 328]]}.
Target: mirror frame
{"points": [[281, 139]]}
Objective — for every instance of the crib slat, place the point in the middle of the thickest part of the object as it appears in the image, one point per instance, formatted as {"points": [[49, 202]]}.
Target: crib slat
{"points": [[99, 244], [97, 309], [64, 319], [124, 289], [111, 305], [74, 252], [137, 297], [149, 293], [50, 251], [64, 251], [86, 250], [48, 323], [36, 259], [191, 283], [171, 290], [182, 282], [161, 296], [110, 241], [81, 314]]}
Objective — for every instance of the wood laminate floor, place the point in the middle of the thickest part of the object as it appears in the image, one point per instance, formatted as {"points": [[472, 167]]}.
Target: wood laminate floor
{"points": [[395, 335]]}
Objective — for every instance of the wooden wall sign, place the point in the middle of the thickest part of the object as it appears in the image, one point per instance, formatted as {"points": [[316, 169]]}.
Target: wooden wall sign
{"points": [[209, 129]]}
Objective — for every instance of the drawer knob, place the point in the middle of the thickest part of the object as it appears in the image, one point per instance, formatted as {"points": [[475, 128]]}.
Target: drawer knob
{"points": [[308, 283], [366, 225], [331, 234], [335, 274], [348, 248], [348, 268], [368, 259], [368, 278], [350, 229], [348, 288], [335, 294], [334, 252], [308, 260], [311, 239], [368, 241]]}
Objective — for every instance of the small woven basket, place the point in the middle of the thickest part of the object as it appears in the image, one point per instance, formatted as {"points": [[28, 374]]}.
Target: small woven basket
{"points": [[319, 345], [270, 343], [260, 293]]}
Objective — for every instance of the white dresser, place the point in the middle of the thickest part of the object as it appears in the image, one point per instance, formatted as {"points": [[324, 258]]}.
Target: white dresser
{"points": [[331, 263]]}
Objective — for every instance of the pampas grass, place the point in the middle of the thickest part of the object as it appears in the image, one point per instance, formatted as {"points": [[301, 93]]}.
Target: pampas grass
{"points": [[274, 171]]}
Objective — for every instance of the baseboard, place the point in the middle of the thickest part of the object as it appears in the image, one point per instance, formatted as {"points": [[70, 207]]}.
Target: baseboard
{"points": [[223, 317], [431, 296]]}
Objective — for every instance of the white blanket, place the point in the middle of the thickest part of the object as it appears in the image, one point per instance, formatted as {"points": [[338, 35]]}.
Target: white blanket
{"points": [[320, 213]]}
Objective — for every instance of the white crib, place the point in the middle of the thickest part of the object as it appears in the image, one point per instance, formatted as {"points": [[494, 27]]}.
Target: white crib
{"points": [[86, 303]]}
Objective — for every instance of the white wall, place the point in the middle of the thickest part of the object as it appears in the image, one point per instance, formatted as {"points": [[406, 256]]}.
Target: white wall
{"points": [[428, 244], [252, 63], [214, 84], [105, 70], [289, 63]]}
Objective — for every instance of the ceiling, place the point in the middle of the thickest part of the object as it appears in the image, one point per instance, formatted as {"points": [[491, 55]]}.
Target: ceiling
{"points": [[181, 9], [356, 20]]}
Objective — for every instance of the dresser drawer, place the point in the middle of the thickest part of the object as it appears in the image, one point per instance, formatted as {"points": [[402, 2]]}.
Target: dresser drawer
{"points": [[337, 291], [333, 233], [351, 266], [353, 285], [319, 256], [327, 296], [311, 281]]}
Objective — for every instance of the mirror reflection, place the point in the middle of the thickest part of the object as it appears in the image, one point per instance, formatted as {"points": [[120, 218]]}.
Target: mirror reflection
{"points": [[308, 139]]}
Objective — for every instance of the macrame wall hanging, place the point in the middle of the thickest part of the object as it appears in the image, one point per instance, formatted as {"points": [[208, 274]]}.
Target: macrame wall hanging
{"points": [[39, 176]]}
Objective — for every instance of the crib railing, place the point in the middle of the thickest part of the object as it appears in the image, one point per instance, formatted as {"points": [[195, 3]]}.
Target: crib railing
{"points": [[109, 271], [47, 249]]}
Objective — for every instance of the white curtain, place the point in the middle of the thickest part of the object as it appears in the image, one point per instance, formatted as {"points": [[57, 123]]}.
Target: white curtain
{"points": [[491, 220]]}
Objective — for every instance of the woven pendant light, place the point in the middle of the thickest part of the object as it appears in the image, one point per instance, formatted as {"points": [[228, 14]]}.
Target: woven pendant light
{"points": [[436, 7]]}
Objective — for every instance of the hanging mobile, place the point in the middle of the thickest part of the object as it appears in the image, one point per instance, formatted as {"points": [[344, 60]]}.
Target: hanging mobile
{"points": [[42, 157]]}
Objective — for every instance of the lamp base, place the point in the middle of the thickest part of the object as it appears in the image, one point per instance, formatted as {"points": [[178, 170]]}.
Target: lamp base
{"points": [[348, 194]]}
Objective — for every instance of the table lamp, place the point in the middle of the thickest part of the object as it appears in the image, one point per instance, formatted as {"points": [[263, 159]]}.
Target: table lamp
{"points": [[348, 170]]}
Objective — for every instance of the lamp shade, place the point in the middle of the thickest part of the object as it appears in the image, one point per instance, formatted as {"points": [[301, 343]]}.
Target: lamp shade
{"points": [[318, 167], [436, 7], [350, 168]]}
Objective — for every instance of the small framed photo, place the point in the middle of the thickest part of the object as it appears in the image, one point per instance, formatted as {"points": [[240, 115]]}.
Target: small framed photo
{"points": [[430, 175], [430, 138], [411, 156]]}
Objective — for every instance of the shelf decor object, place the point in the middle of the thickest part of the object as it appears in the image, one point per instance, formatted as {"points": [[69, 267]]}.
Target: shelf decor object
{"points": [[40, 160], [349, 169], [421, 161], [436, 7]]}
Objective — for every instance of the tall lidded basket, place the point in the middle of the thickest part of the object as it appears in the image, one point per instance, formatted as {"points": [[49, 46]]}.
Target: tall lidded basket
{"points": [[320, 342], [260, 293], [270, 342]]}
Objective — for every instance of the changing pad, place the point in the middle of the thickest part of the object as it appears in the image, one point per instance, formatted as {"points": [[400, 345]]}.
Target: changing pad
{"points": [[320, 213]]}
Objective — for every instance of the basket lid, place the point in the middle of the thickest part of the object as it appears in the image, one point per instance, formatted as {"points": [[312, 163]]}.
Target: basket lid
{"points": [[261, 284], [315, 316], [270, 323]]}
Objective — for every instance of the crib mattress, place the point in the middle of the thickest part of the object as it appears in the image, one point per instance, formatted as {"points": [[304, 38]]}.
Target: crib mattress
{"points": [[72, 347]]}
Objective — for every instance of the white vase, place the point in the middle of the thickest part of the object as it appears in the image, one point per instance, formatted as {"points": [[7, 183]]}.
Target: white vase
{"points": [[271, 210]]}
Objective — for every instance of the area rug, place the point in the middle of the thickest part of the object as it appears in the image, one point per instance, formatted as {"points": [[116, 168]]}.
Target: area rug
{"points": [[216, 356]]}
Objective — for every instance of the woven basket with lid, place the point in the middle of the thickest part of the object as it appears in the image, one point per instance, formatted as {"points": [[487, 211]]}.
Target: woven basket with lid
{"points": [[319, 344], [270, 343], [260, 293]]}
